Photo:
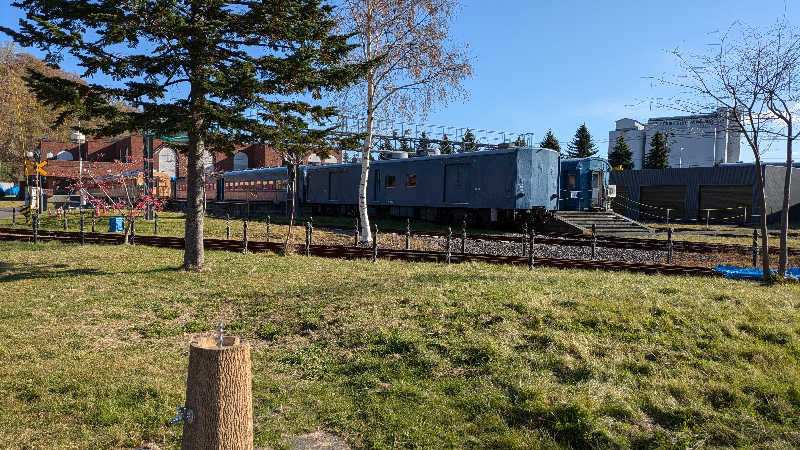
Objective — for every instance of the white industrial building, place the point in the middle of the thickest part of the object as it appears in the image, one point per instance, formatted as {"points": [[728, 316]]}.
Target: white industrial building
{"points": [[702, 140]]}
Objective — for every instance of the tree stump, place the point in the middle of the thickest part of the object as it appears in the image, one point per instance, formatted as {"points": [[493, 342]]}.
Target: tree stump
{"points": [[219, 393]]}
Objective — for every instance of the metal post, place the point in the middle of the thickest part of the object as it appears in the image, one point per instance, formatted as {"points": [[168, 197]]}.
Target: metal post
{"points": [[64, 215], [13, 217], [449, 238], [530, 243], [355, 236], [83, 234], [524, 233], [669, 245], [227, 226], [755, 248], [668, 210], [594, 241], [310, 238], [133, 230], [269, 219], [744, 220], [375, 245], [244, 237], [35, 224], [408, 234], [464, 235], [155, 223], [94, 215], [708, 215]]}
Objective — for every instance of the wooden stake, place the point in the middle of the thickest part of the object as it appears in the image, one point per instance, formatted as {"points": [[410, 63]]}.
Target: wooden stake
{"points": [[219, 394]]}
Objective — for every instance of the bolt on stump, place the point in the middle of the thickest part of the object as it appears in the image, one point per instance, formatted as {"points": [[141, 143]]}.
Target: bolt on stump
{"points": [[219, 395]]}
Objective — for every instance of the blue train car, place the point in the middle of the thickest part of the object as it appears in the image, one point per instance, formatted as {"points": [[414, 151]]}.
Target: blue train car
{"points": [[584, 184], [490, 185]]}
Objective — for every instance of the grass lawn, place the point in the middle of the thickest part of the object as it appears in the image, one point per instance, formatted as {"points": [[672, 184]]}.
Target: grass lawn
{"points": [[95, 347]]}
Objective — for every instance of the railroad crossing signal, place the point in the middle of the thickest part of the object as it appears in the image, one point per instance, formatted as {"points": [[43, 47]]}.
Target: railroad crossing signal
{"points": [[31, 169]]}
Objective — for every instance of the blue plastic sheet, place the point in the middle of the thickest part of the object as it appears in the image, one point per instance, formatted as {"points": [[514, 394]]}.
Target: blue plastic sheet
{"points": [[115, 224], [12, 191], [751, 273]]}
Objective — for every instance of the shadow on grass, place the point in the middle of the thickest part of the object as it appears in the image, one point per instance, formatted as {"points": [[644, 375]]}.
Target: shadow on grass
{"points": [[15, 272]]}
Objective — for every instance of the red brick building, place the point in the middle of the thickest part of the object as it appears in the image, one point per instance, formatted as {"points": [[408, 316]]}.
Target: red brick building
{"points": [[119, 155]]}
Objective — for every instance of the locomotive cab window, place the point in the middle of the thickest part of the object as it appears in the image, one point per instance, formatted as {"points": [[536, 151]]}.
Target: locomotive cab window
{"points": [[390, 181], [411, 180], [571, 180]]}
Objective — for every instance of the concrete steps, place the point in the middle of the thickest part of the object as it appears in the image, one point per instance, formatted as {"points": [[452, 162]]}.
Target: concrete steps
{"points": [[606, 222]]}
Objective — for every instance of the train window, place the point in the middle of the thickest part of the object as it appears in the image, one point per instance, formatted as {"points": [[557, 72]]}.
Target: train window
{"points": [[571, 180], [390, 181], [411, 180]]}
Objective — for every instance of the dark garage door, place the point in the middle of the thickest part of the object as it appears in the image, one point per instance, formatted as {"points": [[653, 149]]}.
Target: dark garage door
{"points": [[728, 199], [655, 200]]}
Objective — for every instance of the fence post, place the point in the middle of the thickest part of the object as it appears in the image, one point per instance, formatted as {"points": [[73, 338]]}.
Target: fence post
{"points": [[355, 236], [13, 217], [744, 220], [155, 223], [227, 226], [449, 239], [308, 238], [218, 412], [669, 245], [133, 230], [524, 233], [755, 248], [64, 215], [269, 219], [83, 234], [531, 233], [408, 233], [35, 224], [708, 215], [94, 215], [244, 237], [375, 245], [594, 241], [464, 235]]}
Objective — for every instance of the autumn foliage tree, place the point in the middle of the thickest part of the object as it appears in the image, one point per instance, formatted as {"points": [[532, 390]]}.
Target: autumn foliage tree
{"points": [[414, 65], [222, 72]]}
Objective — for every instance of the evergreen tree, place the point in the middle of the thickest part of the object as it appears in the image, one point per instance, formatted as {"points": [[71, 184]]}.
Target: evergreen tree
{"points": [[468, 142], [520, 142], [424, 144], [198, 68], [658, 156], [582, 145], [404, 147], [550, 142], [445, 147], [621, 154]]}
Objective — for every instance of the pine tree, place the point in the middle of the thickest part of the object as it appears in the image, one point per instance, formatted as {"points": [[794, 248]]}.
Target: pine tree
{"points": [[423, 144], [550, 142], [198, 68], [445, 147], [404, 147], [621, 154], [520, 142], [582, 145], [468, 142], [658, 156]]}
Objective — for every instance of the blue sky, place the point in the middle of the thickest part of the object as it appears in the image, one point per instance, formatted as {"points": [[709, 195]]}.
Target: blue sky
{"points": [[557, 64]]}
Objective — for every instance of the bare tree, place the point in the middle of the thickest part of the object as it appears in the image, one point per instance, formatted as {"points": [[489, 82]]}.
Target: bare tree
{"points": [[783, 99], [414, 66], [733, 76]]}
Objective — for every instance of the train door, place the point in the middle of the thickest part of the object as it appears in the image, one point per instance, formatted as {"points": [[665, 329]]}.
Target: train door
{"points": [[598, 193], [456, 183]]}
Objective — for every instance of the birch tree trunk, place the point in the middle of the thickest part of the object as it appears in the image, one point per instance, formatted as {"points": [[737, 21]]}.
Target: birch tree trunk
{"points": [[366, 232]]}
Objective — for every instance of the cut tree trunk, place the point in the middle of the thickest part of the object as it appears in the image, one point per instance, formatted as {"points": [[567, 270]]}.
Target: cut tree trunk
{"points": [[219, 393], [783, 260]]}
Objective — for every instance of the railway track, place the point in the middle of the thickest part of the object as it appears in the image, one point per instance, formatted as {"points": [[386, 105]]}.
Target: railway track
{"points": [[342, 252]]}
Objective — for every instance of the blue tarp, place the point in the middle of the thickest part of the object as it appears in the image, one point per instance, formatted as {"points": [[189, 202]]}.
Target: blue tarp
{"points": [[751, 273], [115, 224], [12, 191]]}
